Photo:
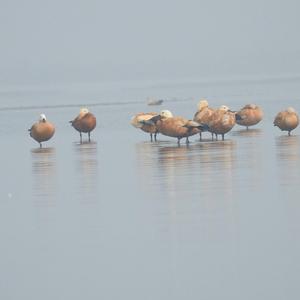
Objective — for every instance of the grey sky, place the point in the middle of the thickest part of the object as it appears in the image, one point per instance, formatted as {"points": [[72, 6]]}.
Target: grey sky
{"points": [[83, 40]]}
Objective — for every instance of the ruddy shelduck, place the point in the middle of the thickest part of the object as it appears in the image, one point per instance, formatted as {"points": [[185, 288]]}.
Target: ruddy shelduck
{"points": [[84, 122], [42, 130], [203, 114], [177, 127], [287, 120], [249, 115], [221, 121], [138, 121]]}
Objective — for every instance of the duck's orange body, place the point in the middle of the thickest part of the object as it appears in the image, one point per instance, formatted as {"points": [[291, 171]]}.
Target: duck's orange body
{"points": [[177, 127], [42, 130], [84, 122], [139, 119], [287, 120], [221, 121], [204, 113], [249, 115]]}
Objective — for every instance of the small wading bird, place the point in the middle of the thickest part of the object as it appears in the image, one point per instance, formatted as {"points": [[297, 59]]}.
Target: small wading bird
{"points": [[203, 115], [287, 120], [177, 127], [42, 130], [138, 121], [84, 122], [221, 121], [249, 115]]}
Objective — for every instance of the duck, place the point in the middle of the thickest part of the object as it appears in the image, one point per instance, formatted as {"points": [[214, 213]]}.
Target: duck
{"points": [[177, 127], [42, 130], [203, 114], [138, 122], [221, 121], [84, 122], [287, 120], [249, 115]]}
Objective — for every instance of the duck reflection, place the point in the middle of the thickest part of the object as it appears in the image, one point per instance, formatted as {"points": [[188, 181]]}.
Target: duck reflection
{"points": [[199, 169], [217, 168], [191, 186], [251, 132], [44, 175], [288, 148], [288, 158], [87, 170]]}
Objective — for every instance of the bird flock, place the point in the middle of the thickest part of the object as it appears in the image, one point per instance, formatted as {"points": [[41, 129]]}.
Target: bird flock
{"points": [[216, 121], [44, 130]]}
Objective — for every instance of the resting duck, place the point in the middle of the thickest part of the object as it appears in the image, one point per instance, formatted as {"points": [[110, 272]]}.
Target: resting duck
{"points": [[138, 121], [177, 127], [249, 115], [204, 113], [287, 120], [221, 121], [42, 130], [84, 122]]}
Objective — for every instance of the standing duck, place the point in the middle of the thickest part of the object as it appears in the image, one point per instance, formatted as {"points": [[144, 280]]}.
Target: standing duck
{"points": [[177, 127], [249, 115], [203, 115], [221, 121], [138, 121], [84, 122], [287, 120], [42, 130]]}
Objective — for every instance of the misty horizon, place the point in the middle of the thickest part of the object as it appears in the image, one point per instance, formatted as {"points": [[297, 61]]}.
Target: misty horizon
{"points": [[66, 41]]}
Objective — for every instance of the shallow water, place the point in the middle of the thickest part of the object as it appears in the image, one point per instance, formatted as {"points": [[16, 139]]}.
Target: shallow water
{"points": [[122, 217]]}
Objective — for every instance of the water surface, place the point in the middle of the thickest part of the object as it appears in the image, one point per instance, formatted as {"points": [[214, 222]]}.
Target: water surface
{"points": [[122, 217]]}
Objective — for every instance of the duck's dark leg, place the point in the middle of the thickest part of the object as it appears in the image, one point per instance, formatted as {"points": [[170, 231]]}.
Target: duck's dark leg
{"points": [[178, 141], [155, 136], [41, 145], [151, 137], [80, 137], [289, 133], [200, 133], [187, 140], [216, 137], [247, 128], [212, 136], [89, 136], [222, 136]]}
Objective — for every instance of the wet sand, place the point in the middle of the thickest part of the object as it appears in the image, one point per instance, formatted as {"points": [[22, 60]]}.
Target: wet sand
{"points": [[124, 218]]}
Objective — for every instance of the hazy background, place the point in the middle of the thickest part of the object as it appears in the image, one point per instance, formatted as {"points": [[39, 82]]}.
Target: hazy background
{"points": [[78, 41], [124, 218]]}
